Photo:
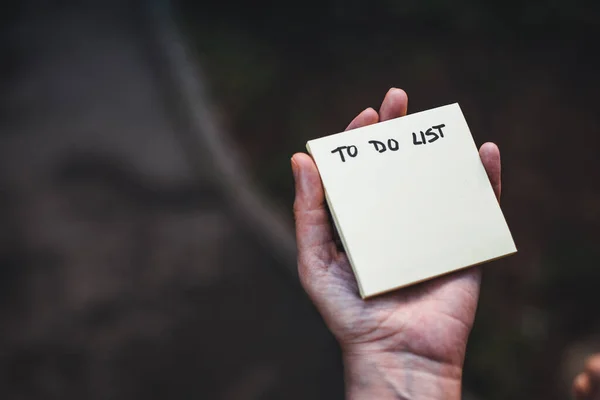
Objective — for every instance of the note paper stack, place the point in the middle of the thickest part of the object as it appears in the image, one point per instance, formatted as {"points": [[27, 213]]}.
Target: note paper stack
{"points": [[411, 199]]}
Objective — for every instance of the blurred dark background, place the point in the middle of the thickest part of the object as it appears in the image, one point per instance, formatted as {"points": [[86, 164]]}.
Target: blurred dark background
{"points": [[145, 240]]}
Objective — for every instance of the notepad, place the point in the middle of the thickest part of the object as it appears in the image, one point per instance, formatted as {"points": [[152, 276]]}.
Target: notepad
{"points": [[411, 199]]}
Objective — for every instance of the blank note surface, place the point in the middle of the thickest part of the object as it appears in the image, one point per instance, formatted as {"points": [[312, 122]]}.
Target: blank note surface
{"points": [[411, 199]]}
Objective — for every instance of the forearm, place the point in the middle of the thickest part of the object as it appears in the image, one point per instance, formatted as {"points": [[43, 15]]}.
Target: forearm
{"points": [[399, 376]]}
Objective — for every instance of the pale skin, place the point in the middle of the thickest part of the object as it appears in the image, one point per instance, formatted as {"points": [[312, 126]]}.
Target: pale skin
{"points": [[586, 385], [408, 344]]}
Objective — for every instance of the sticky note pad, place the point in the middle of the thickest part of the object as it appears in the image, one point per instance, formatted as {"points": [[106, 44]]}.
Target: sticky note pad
{"points": [[411, 199]]}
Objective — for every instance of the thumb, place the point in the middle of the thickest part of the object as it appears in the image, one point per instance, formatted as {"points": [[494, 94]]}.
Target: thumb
{"points": [[313, 230]]}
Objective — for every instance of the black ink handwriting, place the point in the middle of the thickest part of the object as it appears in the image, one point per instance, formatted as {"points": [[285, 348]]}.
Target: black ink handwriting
{"points": [[430, 135], [352, 151]]}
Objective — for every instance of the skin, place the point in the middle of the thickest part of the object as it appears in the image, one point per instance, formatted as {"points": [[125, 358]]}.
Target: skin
{"points": [[586, 385], [409, 344]]}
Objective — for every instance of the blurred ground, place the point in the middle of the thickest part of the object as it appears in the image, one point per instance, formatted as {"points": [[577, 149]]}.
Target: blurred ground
{"points": [[125, 274]]}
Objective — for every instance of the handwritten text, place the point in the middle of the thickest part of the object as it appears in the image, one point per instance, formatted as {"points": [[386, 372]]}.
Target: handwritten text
{"points": [[424, 137]]}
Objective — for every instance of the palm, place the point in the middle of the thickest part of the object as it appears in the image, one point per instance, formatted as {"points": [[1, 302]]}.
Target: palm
{"points": [[431, 320]]}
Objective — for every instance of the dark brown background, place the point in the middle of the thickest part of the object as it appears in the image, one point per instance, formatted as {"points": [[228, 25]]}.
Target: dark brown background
{"points": [[127, 272]]}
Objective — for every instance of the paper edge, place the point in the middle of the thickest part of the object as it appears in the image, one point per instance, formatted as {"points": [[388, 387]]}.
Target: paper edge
{"points": [[488, 181], [432, 277], [362, 292], [335, 221], [386, 122]]}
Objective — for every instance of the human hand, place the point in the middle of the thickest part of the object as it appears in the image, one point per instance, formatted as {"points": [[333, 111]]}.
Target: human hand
{"points": [[586, 385], [410, 343]]}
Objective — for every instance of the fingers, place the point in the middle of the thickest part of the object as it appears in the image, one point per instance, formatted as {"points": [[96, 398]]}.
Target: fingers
{"points": [[314, 233], [313, 230], [582, 386], [394, 104], [312, 223], [587, 384], [490, 157], [367, 117]]}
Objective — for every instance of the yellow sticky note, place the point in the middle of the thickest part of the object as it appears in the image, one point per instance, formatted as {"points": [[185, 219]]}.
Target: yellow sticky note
{"points": [[411, 199]]}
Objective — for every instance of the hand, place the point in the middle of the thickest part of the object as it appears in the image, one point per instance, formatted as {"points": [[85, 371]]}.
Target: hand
{"points": [[409, 343], [586, 385]]}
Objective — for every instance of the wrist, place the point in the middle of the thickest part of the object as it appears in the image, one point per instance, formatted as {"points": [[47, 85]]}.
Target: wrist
{"points": [[399, 375]]}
